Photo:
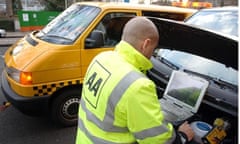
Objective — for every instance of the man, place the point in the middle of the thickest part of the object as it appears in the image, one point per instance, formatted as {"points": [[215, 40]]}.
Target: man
{"points": [[119, 103]]}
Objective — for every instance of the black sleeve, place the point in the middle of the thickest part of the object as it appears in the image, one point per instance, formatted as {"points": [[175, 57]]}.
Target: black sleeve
{"points": [[181, 138]]}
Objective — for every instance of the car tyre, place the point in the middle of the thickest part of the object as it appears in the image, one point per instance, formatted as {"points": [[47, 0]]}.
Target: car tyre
{"points": [[64, 108]]}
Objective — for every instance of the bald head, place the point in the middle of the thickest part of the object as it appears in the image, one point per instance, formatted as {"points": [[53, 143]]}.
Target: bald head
{"points": [[142, 34]]}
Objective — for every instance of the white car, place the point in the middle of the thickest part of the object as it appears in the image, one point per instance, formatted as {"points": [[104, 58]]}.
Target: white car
{"points": [[3, 33], [204, 53], [220, 19]]}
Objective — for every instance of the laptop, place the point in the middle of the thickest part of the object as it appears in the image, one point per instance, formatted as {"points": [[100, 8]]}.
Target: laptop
{"points": [[183, 96]]}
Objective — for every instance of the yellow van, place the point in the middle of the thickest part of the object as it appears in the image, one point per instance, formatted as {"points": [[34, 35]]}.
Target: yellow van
{"points": [[44, 70]]}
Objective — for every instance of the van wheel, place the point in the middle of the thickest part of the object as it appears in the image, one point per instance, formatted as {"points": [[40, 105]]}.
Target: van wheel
{"points": [[64, 108]]}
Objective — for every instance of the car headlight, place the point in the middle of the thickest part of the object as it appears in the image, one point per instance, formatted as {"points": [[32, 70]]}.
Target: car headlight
{"points": [[19, 76]]}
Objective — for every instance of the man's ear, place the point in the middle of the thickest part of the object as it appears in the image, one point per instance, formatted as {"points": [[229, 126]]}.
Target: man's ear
{"points": [[145, 45]]}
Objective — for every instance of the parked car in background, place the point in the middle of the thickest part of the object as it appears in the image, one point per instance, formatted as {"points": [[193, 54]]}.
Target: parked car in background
{"points": [[206, 54], [220, 19], [3, 33]]}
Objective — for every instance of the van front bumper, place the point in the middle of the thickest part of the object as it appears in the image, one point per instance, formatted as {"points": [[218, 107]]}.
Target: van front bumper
{"points": [[27, 105]]}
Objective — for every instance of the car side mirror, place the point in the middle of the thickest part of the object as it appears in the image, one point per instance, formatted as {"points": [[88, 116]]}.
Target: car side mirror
{"points": [[95, 39]]}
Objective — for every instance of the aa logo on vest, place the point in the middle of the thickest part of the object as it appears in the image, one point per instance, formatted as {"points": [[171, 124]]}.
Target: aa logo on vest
{"points": [[95, 79]]}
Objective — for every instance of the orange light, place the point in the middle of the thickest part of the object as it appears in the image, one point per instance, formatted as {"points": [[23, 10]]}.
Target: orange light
{"points": [[184, 4], [26, 78], [192, 4], [195, 4]]}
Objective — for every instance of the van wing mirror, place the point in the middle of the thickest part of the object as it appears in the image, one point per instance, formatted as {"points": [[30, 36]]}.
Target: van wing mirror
{"points": [[95, 39]]}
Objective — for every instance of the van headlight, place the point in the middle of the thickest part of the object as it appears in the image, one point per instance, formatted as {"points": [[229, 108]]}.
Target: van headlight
{"points": [[13, 73], [21, 77]]}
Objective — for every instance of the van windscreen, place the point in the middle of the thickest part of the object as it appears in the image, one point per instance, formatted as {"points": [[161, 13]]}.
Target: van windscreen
{"points": [[66, 27]]}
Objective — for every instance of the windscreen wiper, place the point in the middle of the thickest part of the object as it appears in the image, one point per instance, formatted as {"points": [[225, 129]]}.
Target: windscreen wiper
{"points": [[224, 83], [217, 81], [57, 36], [168, 63]]}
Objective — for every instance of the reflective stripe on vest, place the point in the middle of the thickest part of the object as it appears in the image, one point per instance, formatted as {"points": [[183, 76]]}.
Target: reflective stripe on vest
{"points": [[107, 123], [151, 132], [94, 139], [118, 91]]}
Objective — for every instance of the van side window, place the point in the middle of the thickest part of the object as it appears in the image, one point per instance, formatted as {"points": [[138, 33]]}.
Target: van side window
{"points": [[166, 15], [111, 27]]}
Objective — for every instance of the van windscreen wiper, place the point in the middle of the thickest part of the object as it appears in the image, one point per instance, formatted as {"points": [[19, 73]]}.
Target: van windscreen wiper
{"points": [[56, 39], [57, 36]]}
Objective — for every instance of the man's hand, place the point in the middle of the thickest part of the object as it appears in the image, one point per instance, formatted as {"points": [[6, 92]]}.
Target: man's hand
{"points": [[186, 129]]}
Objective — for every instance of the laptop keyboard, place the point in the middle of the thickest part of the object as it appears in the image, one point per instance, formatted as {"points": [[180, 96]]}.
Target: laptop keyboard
{"points": [[172, 112]]}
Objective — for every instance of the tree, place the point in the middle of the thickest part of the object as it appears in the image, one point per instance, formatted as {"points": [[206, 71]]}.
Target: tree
{"points": [[54, 5], [9, 8], [17, 5], [57, 5]]}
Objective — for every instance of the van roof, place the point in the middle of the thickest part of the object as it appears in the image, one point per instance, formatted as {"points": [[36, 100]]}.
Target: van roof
{"points": [[149, 7]]}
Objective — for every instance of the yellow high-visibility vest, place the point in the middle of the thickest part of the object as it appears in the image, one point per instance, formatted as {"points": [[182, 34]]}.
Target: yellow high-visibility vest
{"points": [[119, 103]]}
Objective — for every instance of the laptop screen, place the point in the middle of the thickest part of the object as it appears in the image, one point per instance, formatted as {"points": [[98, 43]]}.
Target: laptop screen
{"points": [[186, 90]]}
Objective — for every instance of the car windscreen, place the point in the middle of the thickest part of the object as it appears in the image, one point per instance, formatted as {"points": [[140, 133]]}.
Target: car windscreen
{"points": [[67, 27], [201, 65], [220, 21]]}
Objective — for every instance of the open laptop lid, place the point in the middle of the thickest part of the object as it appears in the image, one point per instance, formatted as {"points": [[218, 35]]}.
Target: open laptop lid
{"points": [[186, 90]]}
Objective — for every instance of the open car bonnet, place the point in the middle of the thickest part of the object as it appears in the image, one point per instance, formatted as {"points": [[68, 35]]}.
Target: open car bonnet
{"points": [[205, 43]]}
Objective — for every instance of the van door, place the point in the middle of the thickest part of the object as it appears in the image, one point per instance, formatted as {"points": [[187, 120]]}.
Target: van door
{"points": [[106, 34]]}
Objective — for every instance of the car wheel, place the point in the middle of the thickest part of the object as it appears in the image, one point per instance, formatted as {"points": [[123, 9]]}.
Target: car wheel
{"points": [[64, 108]]}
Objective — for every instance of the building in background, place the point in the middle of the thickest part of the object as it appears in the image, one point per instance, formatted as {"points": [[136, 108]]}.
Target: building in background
{"points": [[215, 3], [32, 5], [9, 9]]}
